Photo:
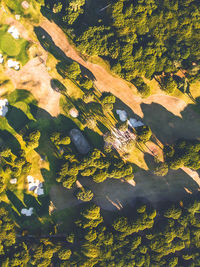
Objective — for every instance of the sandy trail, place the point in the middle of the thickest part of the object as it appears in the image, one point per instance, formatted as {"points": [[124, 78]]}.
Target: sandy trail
{"points": [[106, 82], [193, 174]]}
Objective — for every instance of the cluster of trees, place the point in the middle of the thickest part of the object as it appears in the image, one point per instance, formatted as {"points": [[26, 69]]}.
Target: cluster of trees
{"points": [[12, 165], [183, 153], [97, 165], [140, 38], [146, 237]]}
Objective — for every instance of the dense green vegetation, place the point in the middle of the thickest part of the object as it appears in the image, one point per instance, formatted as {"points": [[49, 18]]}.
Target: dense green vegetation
{"points": [[147, 237], [138, 38]]}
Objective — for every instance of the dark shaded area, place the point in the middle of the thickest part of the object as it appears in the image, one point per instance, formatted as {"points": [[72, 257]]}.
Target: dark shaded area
{"points": [[58, 86], [17, 203], [9, 140], [167, 127], [16, 118], [95, 138], [48, 44]]}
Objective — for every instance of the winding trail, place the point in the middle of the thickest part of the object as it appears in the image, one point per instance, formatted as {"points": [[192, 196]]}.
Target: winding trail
{"points": [[107, 82]]}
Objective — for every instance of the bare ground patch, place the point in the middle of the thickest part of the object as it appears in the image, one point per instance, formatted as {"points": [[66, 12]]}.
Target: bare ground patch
{"points": [[35, 78]]}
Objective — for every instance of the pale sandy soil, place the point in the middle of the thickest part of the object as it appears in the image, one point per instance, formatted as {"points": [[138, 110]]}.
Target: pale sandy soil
{"points": [[35, 78], [193, 174]]}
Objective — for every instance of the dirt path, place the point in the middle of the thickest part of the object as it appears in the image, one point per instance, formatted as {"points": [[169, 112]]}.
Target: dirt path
{"points": [[106, 82]]}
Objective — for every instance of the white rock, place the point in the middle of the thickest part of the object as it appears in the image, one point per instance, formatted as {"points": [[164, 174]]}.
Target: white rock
{"points": [[3, 107], [35, 185], [25, 4], [135, 123], [14, 32], [27, 212], [30, 179], [122, 114], [39, 191], [1, 59], [13, 64], [13, 181], [17, 17], [74, 112]]}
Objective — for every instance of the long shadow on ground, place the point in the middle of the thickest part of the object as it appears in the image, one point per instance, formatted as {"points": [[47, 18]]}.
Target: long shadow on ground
{"points": [[48, 44], [167, 127]]}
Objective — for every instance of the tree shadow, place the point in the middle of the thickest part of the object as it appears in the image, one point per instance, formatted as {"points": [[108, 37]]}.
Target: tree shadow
{"points": [[10, 141], [48, 44], [16, 202], [167, 127], [57, 86], [174, 186], [17, 118], [94, 138]]}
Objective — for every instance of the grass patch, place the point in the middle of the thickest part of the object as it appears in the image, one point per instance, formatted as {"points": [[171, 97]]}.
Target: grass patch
{"points": [[9, 45], [12, 47]]}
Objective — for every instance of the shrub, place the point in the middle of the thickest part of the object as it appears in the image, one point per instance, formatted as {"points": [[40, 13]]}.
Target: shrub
{"points": [[64, 254], [91, 212], [143, 133], [161, 169], [84, 194]]}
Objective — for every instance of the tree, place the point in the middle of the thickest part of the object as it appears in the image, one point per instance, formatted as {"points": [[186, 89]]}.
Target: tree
{"points": [[64, 253], [168, 84], [100, 176], [142, 87], [91, 212], [161, 169], [68, 181], [32, 139], [173, 213], [143, 133], [84, 194]]}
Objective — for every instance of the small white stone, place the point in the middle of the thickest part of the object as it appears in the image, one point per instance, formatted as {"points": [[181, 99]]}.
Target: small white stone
{"points": [[3, 107], [122, 114], [14, 32], [74, 112], [13, 181], [13, 64], [17, 17]]}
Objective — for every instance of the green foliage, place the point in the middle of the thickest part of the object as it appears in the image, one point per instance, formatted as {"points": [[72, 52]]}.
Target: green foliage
{"points": [[7, 231], [168, 84], [173, 213], [32, 139], [141, 86], [183, 153], [143, 133], [161, 169], [59, 139], [64, 254], [91, 212], [84, 194]]}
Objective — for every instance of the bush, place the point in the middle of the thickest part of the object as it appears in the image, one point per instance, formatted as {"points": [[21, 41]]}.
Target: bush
{"points": [[91, 212], [168, 84], [84, 194], [161, 169], [141, 86], [64, 254], [143, 133]]}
